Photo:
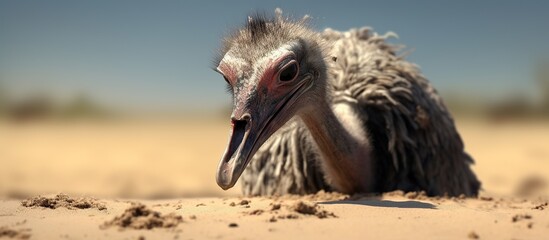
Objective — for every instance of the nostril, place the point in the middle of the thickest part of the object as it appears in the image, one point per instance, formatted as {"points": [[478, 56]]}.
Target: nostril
{"points": [[237, 137], [240, 125], [243, 118]]}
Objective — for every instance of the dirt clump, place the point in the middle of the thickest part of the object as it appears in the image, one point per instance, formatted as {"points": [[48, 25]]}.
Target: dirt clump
{"points": [[421, 195], [245, 203], [275, 206], [304, 208], [520, 217], [541, 206], [288, 216], [6, 232], [233, 225], [139, 216], [311, 209], [326, 196], [417, 195], [256, 212], [293, 210], [63, 200], [486, 198], [396, 193], [318, 196], [473, 235]]}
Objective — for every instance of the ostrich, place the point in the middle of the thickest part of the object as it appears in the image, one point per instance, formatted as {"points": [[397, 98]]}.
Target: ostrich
{"points": [[335, 111]]}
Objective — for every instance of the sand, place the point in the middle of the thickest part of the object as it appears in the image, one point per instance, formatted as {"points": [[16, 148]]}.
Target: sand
{"points": [[155, 180]]}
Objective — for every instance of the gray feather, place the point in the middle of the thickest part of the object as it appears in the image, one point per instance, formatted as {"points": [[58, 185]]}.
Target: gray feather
{"points": [[416, 144]]}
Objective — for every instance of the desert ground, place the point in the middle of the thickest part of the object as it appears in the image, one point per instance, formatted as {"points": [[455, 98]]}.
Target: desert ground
{"points": [[154, 179]]}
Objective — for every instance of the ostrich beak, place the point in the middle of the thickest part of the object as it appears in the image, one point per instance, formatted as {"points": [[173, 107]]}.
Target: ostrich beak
{"points": [[248, 134], [238, 152]]}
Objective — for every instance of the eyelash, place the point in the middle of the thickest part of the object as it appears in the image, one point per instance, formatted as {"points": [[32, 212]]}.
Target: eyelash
{"points": [[229, 88]]}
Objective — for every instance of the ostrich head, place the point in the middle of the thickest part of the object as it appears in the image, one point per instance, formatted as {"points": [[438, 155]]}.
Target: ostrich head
{"points": [[275, 69]]}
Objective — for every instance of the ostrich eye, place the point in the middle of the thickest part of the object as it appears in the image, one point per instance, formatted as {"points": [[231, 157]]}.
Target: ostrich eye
{"points": [[289, 72]]}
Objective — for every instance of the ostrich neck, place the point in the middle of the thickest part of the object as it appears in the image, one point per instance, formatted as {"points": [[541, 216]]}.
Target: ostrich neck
{"points": [[342, 140]]}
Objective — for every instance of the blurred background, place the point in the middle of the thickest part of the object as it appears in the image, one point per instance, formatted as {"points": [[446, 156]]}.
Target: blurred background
{"points": [[118, 99]]}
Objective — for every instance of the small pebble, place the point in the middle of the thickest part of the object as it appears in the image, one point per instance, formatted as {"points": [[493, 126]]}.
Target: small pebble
{"points": [[473, 235]]}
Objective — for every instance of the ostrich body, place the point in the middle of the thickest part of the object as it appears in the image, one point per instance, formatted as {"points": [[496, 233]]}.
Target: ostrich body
{"points": [[334, 111]]}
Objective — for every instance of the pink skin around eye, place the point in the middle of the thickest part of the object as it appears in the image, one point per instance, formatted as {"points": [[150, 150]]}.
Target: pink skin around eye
{"points": [[228, 72], [269, 79]]}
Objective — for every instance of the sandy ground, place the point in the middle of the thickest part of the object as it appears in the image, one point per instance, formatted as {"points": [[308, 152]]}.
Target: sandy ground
{"points": [[169, 167]]}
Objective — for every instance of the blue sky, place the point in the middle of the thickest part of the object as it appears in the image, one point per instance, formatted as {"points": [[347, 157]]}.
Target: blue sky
{"points": [[157, 54]]}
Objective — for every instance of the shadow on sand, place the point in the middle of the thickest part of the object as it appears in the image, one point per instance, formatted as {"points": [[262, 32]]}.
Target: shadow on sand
{"points": [[385, 203]]}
